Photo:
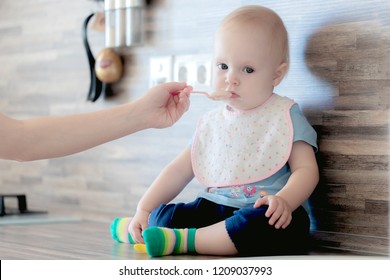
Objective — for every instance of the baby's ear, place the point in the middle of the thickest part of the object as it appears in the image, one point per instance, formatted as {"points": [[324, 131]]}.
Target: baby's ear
{"points": [[280, 73]]}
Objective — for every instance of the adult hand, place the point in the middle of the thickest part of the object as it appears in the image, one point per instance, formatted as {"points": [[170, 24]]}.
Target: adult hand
{"points": [[162, 107]]}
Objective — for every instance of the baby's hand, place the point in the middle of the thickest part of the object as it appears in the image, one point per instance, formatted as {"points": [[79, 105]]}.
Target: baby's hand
{"points": [[138, 224], [278, 211]]}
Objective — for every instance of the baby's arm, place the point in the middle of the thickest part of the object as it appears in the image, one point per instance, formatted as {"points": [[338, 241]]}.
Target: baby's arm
{"points": [[170, 182], [302, 182], [304, 175]]}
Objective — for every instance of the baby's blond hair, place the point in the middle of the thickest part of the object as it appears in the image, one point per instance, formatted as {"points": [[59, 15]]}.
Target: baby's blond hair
{"points": [[265, 18]]}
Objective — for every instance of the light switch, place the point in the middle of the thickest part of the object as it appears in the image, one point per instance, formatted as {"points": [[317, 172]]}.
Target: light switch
{"points": [[160, 70]]}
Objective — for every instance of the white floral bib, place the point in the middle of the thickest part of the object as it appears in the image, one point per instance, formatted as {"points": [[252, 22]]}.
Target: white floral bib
{"points": [[235, 148]]}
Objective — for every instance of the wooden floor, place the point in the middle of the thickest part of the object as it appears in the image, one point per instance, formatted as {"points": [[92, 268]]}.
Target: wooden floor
{"points": [[88, 240], [82, 240]]}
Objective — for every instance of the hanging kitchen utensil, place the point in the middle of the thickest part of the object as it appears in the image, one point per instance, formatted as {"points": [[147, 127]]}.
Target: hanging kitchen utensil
{"points": [[96, 87]]}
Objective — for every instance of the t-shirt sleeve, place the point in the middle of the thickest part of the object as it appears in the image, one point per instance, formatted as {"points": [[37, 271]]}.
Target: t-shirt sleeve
{"points": [[303, 131]]}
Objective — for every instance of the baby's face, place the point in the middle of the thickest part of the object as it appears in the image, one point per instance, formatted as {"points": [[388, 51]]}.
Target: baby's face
{"points": [[244, 65]]}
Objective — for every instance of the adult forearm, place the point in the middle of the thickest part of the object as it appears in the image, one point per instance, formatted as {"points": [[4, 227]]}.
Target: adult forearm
{"points": [[50, 137], [60, 136]]}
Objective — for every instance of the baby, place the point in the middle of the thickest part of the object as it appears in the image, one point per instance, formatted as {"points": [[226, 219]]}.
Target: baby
{"points": [[255, 155]]}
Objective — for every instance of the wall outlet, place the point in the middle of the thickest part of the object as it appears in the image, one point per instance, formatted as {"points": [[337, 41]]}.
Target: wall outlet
{"points": [[203, 75], [183, 69], [160, 70], [194, 69]]}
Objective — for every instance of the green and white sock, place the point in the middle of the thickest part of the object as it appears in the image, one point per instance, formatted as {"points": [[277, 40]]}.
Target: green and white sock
{"points": [[162, 241], [120, 232]]}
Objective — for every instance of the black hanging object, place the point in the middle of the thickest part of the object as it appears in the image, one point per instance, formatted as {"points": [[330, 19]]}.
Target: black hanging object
{"points": [[96, 87]]}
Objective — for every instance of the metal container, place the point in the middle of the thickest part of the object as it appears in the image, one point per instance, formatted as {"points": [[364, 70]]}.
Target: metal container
{"points": [[120, 23], [109, 11], [124, 23], [134, 22]]}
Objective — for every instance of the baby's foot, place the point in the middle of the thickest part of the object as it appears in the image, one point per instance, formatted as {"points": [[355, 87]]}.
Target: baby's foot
{"points": [[120, 230], [162, 241]]}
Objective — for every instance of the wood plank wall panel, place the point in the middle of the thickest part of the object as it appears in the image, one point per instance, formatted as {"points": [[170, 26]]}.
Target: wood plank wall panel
{"points": [[354, 135], [339, 74]]}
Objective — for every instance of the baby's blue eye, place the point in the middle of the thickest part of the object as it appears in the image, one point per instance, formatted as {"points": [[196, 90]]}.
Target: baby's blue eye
{"points": [[223, 66], [248, 70]]}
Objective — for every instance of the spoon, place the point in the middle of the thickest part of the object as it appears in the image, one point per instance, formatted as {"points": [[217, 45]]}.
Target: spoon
{"points": [[215, 95]]}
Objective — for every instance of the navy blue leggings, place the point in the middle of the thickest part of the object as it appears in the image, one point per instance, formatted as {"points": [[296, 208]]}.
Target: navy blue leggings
{"points": [[247, 227]]}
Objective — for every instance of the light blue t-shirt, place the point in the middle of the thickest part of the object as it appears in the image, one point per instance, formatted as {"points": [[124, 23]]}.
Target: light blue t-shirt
{"points": [[245, 195]]}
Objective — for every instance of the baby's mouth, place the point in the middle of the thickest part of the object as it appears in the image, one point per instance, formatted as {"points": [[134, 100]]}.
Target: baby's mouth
{"points": [[234, 95]]}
